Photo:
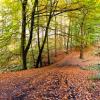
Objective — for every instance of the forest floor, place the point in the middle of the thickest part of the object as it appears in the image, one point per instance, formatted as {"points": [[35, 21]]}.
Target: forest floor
{"points": [[64, 80]]}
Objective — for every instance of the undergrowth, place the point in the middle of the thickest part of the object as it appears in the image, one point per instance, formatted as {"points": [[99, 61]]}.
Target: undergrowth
{"points": [[13, 68], [94, 67], [91, 68], [95, 77]]}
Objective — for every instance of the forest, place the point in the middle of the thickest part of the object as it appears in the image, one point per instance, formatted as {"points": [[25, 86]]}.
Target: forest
{"points": [[49, 49]]}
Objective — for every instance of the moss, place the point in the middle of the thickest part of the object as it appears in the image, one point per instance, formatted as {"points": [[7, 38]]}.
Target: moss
{"points": [[95, 77], [95, 67]]}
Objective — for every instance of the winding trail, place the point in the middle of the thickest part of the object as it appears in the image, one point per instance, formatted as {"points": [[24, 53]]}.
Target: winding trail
{"points": [[64, 80]]}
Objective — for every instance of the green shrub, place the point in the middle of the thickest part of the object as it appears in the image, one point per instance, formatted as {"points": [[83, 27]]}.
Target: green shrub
{"points": [[95, 77], [94, 67]]}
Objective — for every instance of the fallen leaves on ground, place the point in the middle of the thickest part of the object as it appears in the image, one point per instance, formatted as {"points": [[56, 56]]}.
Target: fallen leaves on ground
{"points": [[61, 81]]}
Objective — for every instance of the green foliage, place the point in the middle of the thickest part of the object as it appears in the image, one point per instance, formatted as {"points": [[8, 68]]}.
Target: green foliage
{"points": [[95, 77], [94, 67], [11, 68], [10, 27]]}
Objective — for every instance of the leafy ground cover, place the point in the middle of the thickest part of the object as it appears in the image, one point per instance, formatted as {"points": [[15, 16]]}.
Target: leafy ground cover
{"points": [[56, 82]]}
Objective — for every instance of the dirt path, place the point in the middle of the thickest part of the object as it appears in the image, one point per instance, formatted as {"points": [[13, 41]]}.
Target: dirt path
{"points": [[61, 81]]}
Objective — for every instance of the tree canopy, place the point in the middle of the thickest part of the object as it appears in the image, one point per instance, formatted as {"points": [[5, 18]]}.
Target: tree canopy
{"points": [[31, 30]]}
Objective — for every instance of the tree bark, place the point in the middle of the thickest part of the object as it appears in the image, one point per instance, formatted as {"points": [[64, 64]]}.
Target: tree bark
{"points": [[42, 47], [38, 32], [68, 38], [48, 49], [55, 38], [24, 47], [23, 34], [82, 35]]}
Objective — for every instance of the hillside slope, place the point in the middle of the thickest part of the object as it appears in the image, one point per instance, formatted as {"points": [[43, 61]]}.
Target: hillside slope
{"points": [[64, 80]]}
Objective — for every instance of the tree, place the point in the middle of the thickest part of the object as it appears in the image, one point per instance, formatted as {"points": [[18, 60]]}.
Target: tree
{"points": [[25, 47]]}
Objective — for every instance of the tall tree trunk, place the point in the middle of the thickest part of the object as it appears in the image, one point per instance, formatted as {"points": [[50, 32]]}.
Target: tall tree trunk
{"points": [[32, 25], [68, 38], [82, 41], [46, 34], [82, 44], [71, 36], [65, 38], [24, 50], [38, 32], [23, 34], [55, 38], [61, 38], [32, 54], [48, 51]]}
